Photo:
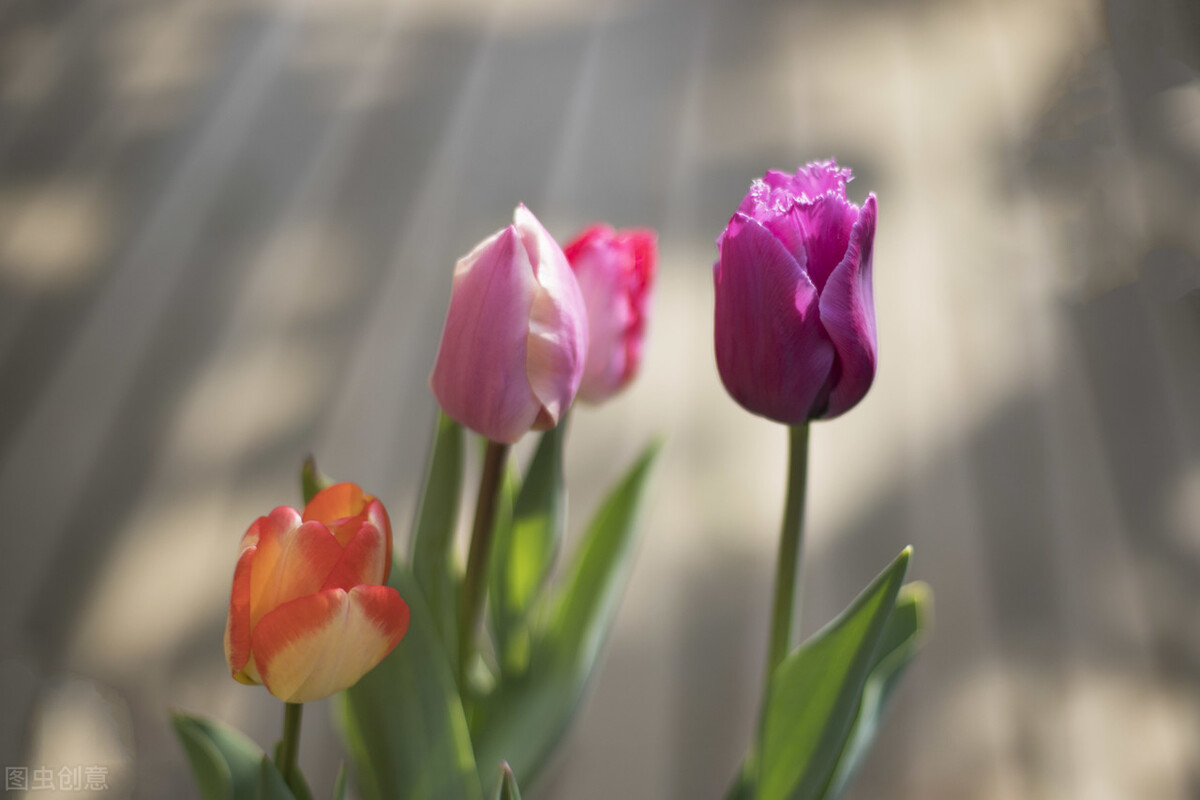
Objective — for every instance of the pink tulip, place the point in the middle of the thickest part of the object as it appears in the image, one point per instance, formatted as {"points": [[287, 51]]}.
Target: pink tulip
{"points": [[515, 340], [615, 271], [795, 313]]}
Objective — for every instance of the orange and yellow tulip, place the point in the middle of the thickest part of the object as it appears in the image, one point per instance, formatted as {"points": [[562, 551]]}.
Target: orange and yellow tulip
{"points": [[309, 615]]}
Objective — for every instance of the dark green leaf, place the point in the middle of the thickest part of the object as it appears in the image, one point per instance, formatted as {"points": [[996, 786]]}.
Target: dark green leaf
{"points": [[312, 480], [271, 785], [905, 631], [225, 761], [525, 717], [433, 562], [506, 788], [524, 551], [403, 723], [814, 695]]}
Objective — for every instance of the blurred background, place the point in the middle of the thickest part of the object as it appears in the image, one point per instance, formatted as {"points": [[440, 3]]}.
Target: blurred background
{"points": [[227, 231]]}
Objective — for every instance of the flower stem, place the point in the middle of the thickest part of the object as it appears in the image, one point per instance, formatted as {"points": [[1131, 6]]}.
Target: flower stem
{"points": [[286, 758], [787, 565], [474, 581]]}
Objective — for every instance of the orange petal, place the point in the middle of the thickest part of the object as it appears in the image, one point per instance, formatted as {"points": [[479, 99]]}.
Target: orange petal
{"points": [[237, 625], [290, 564], [365, 559], [336, 502], [317, 645], [378, 515]]}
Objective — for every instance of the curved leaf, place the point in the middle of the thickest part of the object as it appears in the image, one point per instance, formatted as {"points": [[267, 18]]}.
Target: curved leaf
{"points": [[814, 694], [906, 629], [403, 723], [433, 533], [523, 551], [522, 720], [225, 761]]}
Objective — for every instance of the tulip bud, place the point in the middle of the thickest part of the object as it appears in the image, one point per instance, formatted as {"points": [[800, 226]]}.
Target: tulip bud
{"points": [[615, 270], [308, 615], [795, 314], [515, 339]]}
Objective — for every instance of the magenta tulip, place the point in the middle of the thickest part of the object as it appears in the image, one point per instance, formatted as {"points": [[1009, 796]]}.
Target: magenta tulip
{"points": [[795, 314], [515, 340], [616, 272]]}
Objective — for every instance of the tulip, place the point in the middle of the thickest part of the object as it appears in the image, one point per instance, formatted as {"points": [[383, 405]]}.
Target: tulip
{"points": [[309, 615], [795, 315], [515, 340], [615, 270]]}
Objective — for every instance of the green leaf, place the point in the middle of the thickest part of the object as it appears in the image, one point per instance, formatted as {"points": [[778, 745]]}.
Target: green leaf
{"points": [[403, 723], [312, 480], [507, 789], [225, 761], [271, 785], [297, 784], [433, 538], [339, 784], [906, 629], [525, 717], [814, 695], [524, 551]]}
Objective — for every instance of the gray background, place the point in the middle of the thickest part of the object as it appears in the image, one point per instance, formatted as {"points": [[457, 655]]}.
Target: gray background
{"points": [[226, 237]]}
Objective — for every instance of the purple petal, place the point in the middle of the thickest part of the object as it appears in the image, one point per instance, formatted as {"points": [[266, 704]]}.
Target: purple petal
{"points": [[848, 314], [816, 233], [772, 353], [820, 177]]}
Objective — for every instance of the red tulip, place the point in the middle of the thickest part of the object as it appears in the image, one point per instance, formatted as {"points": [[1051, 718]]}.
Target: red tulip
{"points": [[309, 615], [615, 270]]}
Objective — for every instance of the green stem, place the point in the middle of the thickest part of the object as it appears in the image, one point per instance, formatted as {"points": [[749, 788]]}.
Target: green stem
{"points": [[286, 760], [787, 565], [471, 611]]}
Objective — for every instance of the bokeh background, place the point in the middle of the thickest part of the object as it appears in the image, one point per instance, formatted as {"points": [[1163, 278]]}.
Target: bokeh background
{"points": [[226, 237]]}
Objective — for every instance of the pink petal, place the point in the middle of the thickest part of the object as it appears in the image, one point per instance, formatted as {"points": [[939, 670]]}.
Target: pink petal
{"points": [[848, 314], [480, 377], [557, 332]]}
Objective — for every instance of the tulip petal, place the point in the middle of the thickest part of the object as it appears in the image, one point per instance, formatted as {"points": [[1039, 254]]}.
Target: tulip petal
{"points": [[342, 501], [609, 314], [557, 342], [772, 353], [365, 559], [848, 315], [484, 341], [820, 228], [237, 624], [289, 564], [323, 643]]}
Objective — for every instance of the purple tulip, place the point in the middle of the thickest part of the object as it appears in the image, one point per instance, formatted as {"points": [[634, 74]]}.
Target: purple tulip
{"points": [[795, 317], [516, 334]]}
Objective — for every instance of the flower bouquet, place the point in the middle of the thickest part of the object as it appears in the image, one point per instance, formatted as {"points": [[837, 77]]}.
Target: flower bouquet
{"points": [[459, 681]]}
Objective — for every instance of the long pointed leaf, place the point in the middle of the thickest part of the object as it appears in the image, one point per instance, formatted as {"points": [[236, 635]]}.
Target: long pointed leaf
{"points": [[905, 631], [525, 717], [404, 723], [433, 535], [524, 551], [814, 695]]}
